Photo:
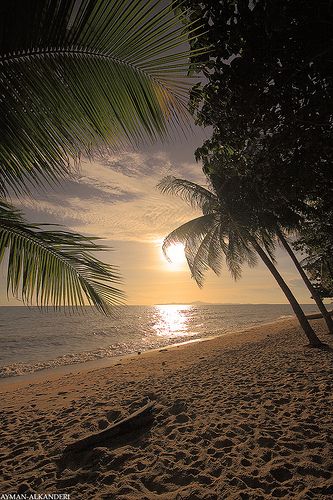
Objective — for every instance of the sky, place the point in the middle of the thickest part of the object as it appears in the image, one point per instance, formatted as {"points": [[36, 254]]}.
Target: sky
{"points": [[115, 197]]}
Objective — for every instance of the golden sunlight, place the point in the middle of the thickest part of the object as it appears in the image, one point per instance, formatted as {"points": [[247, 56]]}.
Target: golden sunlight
{"points": [[176, 254], [176, 257], [172, 320]]}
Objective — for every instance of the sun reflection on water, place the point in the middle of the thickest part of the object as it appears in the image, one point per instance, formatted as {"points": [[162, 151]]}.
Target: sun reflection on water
{"points": [[172, 320]]}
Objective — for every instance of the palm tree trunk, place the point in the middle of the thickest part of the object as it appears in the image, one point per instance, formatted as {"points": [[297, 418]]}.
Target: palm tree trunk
{"points": [[307, 282], [308, 330]]}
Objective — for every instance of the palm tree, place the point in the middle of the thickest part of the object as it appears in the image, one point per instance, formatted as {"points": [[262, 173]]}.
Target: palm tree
{"points": [[79, 76], [237, 177], [54, 267], [221, 233]]}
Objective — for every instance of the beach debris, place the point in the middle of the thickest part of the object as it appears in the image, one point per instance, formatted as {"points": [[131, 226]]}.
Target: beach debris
{"points": [[135, 421]]}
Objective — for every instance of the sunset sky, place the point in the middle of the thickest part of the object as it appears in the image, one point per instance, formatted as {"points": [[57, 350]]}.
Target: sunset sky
{"points": [[116, 198]]}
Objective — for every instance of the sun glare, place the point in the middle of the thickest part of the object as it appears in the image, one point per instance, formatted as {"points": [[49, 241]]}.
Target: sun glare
{"points": [[176, 254], [176, 260], [171, 320]]}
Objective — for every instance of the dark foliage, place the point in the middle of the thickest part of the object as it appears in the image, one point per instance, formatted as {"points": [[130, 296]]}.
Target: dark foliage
{"points": [[316, 241], [269, 98]]}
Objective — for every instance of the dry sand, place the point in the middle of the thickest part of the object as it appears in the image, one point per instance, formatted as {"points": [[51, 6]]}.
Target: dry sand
{"points": [[244, 416]]}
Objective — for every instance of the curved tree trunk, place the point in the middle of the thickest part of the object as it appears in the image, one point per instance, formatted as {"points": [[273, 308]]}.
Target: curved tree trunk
{"points": [[308, 283], [308, 330]]}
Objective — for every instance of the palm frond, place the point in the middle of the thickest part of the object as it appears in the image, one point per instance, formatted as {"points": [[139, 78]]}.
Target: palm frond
{"points": [[249, 255], [215, 253], [202, 260], [216, 234], [80, 74], [193, 194], [234, 256], [191, 233], [268, 241], [54, 268]]}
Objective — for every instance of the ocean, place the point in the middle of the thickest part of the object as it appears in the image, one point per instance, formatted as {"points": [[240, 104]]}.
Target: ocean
{"points": [[31, 340]]}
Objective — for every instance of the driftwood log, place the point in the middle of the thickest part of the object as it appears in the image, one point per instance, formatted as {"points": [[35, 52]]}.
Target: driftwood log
{"points": [[140, 418]]}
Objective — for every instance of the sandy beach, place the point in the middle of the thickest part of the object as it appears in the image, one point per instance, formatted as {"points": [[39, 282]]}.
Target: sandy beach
{"points": [[243, 416]]}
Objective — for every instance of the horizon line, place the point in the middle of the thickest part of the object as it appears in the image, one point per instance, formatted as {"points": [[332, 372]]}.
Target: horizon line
{"points": [[194, 303]]}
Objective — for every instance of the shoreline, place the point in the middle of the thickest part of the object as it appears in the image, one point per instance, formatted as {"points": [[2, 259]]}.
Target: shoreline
{"points": [[248, 413], [59, 371], [39, 357]]}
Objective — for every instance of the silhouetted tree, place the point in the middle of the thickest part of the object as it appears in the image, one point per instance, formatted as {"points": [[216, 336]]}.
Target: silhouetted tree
{"points": [[228, 230], [316, 241], [234, 175], [268, 95]]}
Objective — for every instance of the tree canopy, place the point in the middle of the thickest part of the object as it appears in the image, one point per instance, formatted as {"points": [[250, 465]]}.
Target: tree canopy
{"points": [[269, 97]]}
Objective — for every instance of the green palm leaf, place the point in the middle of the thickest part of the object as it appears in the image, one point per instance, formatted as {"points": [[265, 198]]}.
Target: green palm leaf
{"points": [[80, 74], [54, 268]]}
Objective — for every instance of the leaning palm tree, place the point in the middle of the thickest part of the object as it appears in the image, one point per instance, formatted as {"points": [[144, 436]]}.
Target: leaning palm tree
{"points": [[221, 233], [279, 218], [236, 171], [79, 76]]}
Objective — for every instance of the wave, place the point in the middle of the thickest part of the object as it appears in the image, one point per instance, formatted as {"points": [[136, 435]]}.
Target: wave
{"points": [[115, 350], [16, 369]]}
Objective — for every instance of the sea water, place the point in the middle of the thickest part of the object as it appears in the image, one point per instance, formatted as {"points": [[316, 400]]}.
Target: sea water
{"points": [[32, 340]]}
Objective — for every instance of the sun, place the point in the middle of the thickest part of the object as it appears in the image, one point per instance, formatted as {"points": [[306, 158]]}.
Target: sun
{"points": [[175, 259], [176, 254]]}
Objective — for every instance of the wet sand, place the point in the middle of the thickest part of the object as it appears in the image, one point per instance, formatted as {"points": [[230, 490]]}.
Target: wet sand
{"points": [[243, 416]]}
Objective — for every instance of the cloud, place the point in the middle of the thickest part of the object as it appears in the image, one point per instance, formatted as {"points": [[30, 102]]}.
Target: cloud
{"points": [[116, 197], [296, 283]]}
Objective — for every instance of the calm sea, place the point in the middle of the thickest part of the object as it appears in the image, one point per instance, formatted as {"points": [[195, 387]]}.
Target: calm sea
{"points": [[31, 340]]}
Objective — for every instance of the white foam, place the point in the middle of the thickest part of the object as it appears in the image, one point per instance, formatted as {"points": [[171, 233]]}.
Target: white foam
{"points": [[16, 369]]}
